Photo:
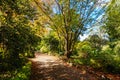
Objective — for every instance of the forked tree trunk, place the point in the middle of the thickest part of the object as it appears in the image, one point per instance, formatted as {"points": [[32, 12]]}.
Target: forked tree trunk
{"points": [[68, 48]]}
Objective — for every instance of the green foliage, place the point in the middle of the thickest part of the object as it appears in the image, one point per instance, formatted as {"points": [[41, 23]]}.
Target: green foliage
{"points": [[70, 19], [23, 73], [21, 40], [96, 41], [117, 48], [107, 59], [16, 34], [86, 48], [112, 26], [54, 43], [49, 43], [113, 20], [44, 49], [18, 74]]}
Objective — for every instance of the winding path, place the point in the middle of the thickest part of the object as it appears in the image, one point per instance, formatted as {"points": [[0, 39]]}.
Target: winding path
{"points": [[45, 67]]}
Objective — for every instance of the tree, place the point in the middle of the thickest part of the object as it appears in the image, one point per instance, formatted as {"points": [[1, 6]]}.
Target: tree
{"points": [[16, 34], [96, 41], [113, 20], [70, 18], [112, 26]]}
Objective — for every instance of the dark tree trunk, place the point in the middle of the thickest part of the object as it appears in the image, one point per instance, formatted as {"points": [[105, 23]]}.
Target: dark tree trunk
{"points": [[68, 50], [68, 54]]}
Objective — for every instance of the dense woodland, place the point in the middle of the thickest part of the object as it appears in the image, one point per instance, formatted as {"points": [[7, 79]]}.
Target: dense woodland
{"points": [[56, 27]]}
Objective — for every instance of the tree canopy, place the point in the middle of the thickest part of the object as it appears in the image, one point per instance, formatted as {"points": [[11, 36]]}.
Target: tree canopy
{"points": [[56, 26], [113, 19], [16, 34], [70, 18]]}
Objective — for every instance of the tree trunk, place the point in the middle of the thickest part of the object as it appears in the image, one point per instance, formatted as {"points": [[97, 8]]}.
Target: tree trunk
{"points": [[68, 53], [68, 50]]}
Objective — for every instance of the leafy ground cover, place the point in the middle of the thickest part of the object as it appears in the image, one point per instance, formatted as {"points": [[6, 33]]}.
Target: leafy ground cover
{"points": [[19, 74]]}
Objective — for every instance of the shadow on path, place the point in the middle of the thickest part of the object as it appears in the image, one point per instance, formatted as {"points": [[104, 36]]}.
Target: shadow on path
{"points": [[45, 67]]}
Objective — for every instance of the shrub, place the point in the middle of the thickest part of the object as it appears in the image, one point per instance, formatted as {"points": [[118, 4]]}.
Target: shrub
{"points": [[23, 73], [108, 60], [86, 48], [117, 48], [44, 49]]}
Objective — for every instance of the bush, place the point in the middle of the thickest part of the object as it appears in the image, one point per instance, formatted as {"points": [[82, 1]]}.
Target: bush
{"points": [[86, 48], [117, 48], [23, 73], [108, 59], [20, 41], [49, 44], [18, 74]]}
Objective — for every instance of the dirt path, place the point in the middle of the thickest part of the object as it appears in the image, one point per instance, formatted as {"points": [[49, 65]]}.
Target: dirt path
{"points": [[45, 67]]}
